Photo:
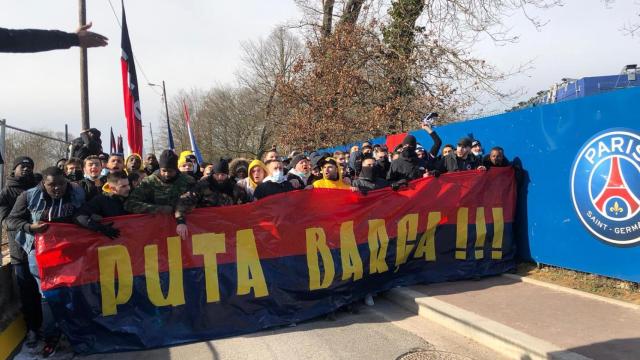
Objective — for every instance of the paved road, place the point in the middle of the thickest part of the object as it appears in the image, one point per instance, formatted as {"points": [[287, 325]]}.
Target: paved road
{"points": [[381, 332]]}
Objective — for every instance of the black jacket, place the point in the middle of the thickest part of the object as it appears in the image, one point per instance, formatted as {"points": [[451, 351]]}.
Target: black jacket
{"points": [[85, 146], [406, 168], [486, 162], [452, 162], [268, 188], [366, 184], [12, 189], [14, 186], [32, 40], [90, 188], [104, 205]]}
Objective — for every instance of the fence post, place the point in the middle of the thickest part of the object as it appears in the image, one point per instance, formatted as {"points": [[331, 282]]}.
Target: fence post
{"points": [[3, 123]]}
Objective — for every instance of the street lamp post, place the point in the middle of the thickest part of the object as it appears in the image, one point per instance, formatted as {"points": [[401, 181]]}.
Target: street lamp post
{"points": [[166, 109]]}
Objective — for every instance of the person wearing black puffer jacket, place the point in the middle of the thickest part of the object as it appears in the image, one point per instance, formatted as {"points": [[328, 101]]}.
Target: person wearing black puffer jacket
{"points": [[20, 180], [406, 167], [368, 178], [109, 203]]}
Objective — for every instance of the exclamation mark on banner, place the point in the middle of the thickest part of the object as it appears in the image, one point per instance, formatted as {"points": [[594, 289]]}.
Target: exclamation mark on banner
{"points": [[498, 230], [481, 232], [461, 233]]}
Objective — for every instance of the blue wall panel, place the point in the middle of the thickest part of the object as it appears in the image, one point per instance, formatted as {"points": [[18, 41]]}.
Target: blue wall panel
{"points": [[547, 140]]}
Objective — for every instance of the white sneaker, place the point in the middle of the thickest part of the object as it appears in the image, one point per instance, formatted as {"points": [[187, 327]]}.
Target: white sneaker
{"points": [[368, 300]]}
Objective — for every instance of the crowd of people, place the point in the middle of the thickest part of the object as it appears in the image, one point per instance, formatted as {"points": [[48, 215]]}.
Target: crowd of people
{"points": [[92, 185]]}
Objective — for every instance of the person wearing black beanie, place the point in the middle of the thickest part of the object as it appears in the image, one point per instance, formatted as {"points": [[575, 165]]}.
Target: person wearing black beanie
{"points": [[168, 160], [158, 193], [406, 167]]}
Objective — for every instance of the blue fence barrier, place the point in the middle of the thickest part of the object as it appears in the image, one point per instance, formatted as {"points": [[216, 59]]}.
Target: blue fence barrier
{"points": [[577, 203], [547, 141]]}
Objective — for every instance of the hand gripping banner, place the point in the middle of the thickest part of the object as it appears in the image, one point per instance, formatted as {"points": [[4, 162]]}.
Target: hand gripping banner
{"points": [[284, 259]]}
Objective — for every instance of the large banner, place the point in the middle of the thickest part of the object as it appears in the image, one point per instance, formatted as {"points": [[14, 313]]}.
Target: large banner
{"points": [[281, 260]]}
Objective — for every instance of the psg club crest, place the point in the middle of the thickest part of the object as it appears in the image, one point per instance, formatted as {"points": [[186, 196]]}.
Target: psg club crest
{"points": [[605, 186]]}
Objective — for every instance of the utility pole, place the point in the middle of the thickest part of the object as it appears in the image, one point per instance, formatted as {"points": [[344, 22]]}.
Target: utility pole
{"points": [[84, 76], [166, 109], [153, 147]]}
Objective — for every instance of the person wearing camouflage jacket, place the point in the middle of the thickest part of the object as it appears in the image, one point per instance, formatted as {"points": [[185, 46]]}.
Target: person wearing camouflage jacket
{"points": [[159, 192]]}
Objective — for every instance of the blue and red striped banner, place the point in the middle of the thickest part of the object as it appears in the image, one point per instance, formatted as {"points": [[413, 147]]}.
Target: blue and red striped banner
{"points": [[286, 258]]}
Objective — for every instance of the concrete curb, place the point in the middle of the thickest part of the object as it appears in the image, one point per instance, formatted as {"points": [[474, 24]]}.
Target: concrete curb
{"points": [[503, 339], [572, 291]]}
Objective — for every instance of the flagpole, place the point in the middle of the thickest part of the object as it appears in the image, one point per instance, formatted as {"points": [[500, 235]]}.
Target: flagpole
{"points": [[166, 109], [84, 76]]}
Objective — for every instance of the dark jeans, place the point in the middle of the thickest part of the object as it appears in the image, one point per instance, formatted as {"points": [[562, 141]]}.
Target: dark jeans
{"points": [[29, 296]]}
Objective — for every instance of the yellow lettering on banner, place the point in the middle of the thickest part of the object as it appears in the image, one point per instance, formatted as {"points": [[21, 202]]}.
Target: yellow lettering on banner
{"points": [[407, 232], [175, 293], [111, 260], [317, 244], [498, 231], [209, 246], [250, 275], [461, 233], [427, 245], [378, 243], [481, 232], [351, 261]]}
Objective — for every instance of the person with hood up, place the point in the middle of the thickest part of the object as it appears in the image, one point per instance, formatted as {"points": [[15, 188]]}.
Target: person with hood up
{"points": [[87, 144], [368, 178], [20, 180], [275, 183], [188, 165], [407, 166], [331, 175], [109, 203], [257, 172], [238, 169], [159, 192], [133, 163], [300, 171], [93, 181], [54, 199], [150, 164]]}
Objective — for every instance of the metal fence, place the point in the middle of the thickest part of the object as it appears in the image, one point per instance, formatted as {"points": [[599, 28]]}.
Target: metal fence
{"points": [[44, 147]]}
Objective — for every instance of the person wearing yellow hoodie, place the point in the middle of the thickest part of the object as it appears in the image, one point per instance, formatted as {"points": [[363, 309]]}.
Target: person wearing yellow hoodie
{"points": [[188, 165], [256, 173], [331, 176], [133, 163]]}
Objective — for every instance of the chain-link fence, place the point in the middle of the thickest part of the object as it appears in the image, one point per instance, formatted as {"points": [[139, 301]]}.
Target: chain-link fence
{"points": [[44, 147]]}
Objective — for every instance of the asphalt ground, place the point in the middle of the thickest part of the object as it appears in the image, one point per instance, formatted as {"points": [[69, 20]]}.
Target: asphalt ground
{"points": [[384, 331]]}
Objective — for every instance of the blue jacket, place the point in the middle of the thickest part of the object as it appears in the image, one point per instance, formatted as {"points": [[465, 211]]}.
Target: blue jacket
{"points": [[36, 205]]}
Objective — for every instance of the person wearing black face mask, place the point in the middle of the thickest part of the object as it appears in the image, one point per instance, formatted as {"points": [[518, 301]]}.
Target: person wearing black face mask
{"points": [[406, 167], [20, 180], [73, 170], [368, 178]]}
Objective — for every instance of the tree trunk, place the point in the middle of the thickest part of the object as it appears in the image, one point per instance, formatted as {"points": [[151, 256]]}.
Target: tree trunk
{"points": [[327, 17]]}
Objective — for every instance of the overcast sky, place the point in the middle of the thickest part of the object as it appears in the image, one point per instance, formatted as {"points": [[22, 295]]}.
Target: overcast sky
{"points": [[196, 44]]}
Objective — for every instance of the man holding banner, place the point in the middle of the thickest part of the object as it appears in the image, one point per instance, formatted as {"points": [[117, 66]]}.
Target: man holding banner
{"points": [[159, 192]]}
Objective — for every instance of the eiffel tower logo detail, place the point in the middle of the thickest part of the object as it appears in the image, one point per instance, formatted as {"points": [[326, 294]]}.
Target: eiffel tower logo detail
{"points": [[616, 187]]}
